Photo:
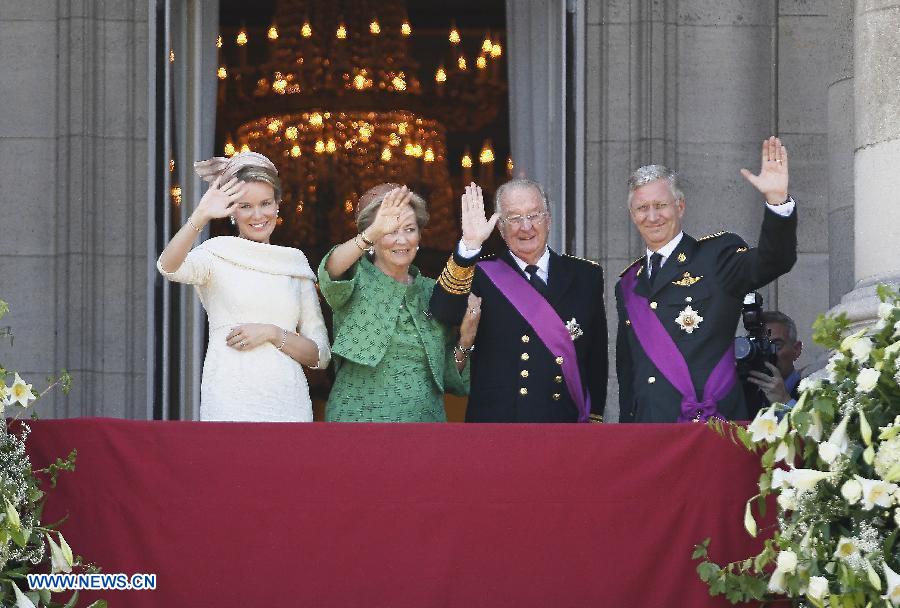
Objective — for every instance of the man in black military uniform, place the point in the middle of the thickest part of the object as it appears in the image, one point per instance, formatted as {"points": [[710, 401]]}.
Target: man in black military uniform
{"points": [[515, 376], [689, 292]]}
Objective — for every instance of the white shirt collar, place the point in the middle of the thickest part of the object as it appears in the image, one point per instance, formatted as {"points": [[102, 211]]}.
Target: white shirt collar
{"points": [[543, 264], [666, 250]]}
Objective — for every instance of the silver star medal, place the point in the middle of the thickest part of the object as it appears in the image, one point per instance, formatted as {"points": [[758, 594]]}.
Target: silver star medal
{"points": [[688, 319], [574, 329]]}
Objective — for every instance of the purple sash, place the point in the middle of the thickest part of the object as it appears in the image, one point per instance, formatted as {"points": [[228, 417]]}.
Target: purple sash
{"points": [[551, 330], [664, 354]]}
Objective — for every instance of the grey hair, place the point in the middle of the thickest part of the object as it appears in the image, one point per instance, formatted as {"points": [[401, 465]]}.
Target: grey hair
{"points": [[651, 173], [520, 183], [261, 174], [775, 316], [367, 215]]}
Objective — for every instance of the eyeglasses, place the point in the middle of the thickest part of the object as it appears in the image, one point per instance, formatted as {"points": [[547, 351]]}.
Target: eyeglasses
{"points": [[536, 219]]}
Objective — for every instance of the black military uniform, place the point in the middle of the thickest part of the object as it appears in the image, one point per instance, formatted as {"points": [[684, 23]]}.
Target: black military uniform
{"points": [[711, 275], [515, 378]]}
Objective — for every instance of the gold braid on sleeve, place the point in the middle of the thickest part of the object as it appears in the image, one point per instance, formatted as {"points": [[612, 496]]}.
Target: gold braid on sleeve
{"points": [[456, 279]]}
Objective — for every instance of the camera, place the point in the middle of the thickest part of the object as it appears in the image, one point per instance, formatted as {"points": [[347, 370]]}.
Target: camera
{"points": [[754, 350]]}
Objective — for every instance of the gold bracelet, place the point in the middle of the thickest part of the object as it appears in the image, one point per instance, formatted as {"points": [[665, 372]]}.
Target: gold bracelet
{"points": [[356, 242], [365, 239], [191, 222]]}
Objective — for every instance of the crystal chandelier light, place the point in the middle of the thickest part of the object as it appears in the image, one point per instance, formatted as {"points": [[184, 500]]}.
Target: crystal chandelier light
{"points": [[331, 93]]}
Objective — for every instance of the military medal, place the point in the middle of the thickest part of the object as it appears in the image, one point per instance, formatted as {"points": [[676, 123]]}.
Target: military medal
{"points": [[574, 329], [688, 319], [687, 280]]}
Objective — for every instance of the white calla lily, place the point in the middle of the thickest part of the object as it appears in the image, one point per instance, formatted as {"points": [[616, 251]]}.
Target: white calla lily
{"points": [[876, 492], [851, 491], [818, 588], [22, 600], [787, 561], [893, 585], [848, 342], [765, 426], [804, 480], [20, 392], [837, 443], [867, 379], [777, 582]]}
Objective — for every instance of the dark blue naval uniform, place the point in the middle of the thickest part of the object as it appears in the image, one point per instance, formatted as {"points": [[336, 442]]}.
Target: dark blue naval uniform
{"points": [[711, 275], [515, 378]]}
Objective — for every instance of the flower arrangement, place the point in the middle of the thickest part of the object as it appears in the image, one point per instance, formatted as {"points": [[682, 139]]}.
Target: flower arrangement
{"points": [[833, 464], [26, 544]]}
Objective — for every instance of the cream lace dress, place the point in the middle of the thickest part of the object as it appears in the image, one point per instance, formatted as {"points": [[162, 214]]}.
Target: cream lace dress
{"points": [[242, 281]]}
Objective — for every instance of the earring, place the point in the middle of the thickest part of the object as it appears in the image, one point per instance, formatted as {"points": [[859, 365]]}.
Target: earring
{"points": [[232, 220], [417, 247]]}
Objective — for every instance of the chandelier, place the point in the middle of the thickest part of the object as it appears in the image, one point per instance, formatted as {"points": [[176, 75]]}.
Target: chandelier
{"points": [[331, 93]]}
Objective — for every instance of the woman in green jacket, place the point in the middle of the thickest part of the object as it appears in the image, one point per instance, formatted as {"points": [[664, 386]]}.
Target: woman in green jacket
{"points": [[393, 361]]}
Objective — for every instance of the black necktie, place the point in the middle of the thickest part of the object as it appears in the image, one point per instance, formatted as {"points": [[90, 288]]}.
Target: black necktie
{"points": [[655, 263], [536, 281]]}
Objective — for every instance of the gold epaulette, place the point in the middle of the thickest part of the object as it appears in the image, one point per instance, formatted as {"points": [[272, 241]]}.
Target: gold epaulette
{"points": [[575, 257], [456, 279], [712, 236], [632, 264]]}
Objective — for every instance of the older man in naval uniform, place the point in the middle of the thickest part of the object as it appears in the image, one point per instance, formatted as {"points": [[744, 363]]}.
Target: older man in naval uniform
{"points": [[540, 354], [679, 304]]}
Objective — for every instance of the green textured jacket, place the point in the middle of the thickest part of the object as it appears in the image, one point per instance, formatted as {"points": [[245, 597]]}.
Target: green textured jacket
{"points": [[366, 304]]}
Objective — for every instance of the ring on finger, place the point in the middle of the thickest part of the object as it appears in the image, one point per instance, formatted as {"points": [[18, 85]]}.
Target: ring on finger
{"points": [[243, 344]]}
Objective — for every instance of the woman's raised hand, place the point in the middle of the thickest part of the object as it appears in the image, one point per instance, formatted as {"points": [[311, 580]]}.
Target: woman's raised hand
{"points": [[217, 202], [476, 227], [387, 219]]}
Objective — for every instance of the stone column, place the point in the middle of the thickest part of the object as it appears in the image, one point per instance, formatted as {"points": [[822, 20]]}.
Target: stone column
{"points": [[876, 157], [73, 207], [840, 150]]}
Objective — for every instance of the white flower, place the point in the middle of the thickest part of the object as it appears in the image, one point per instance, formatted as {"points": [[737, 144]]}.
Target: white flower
{"points": [[861, 349], [867, 379], [776, 583], [804, 480], [846, 549], [836, 444], [896, 330], [58, 561], [885, 309], [20, 392], [887, 460], [851, 491], [814, 431], [780, 479], [787, 562], [893, 585], [22, 600], [787, 499], [785, 451], [765, 426], [848, 342], [809, 384], [876, 492], [897, 516], [818, 587]]}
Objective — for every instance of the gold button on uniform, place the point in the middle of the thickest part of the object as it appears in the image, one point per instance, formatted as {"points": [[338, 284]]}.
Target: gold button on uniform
{"points": [[558, 379], [559, 360], [524, 356], [525, 339], [653, 305], [556, 396], [524, 373], [651, 379], [523, 391]]}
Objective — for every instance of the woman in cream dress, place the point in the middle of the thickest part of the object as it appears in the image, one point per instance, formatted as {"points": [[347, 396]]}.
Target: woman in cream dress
{"points": [[261, 300]]}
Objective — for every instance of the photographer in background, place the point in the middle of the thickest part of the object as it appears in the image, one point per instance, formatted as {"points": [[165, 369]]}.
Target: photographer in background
{"points": [[781, 385], [679, 303]]}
